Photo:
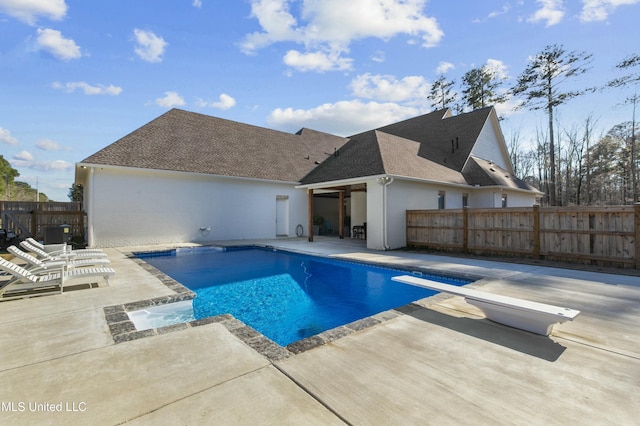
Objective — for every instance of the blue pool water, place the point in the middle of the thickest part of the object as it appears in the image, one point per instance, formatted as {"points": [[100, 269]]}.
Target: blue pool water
{"points": [[283, 295]]}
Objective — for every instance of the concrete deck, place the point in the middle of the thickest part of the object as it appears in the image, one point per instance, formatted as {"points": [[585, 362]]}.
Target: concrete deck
{"points": [[436, 362]]}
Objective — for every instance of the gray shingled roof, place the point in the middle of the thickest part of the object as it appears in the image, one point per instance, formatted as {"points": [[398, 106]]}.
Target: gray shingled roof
{"points": [[190, 142], [375, 153], [485, 173], [420, 147], [445, 140]]}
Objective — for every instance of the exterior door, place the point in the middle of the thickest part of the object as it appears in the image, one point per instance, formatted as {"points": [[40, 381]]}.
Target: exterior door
{"points": [[282, 216]]}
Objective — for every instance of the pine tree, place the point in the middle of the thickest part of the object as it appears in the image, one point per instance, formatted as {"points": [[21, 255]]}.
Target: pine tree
{"points": [[540, 85]]}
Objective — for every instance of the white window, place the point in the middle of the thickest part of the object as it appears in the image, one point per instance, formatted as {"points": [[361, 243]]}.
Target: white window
{"points": [[441, 197]]}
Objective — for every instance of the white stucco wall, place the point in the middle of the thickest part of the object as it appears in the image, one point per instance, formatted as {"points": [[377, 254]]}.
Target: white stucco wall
{"points": [[482, 198], [135, 207], [358, 208], [520, 199], [375, 211]]}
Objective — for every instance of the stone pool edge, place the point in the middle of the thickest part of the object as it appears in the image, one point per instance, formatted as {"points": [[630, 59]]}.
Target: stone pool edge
{"points": [[122, 329]]}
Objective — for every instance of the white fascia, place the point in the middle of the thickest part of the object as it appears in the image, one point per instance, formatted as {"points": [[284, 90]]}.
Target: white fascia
{"points": [[177, 172], [342, 182]]}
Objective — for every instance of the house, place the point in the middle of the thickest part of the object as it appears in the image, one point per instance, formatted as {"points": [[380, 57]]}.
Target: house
{"points": [[188, 177]]}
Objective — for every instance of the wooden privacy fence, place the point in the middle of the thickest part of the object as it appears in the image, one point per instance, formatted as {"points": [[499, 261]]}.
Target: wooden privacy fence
{"points": [[30, 219], [592, 235]]}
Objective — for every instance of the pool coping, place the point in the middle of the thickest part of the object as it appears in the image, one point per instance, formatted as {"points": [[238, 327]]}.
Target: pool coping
{"points": [[122, 329]]}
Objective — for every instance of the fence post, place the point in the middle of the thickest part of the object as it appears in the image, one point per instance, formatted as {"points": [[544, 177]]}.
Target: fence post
{"points": [[465, 229], [636, 217], [34, 223], [536, 231]]}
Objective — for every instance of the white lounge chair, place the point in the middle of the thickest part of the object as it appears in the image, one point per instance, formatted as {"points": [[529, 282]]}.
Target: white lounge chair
{"points": [[43, 255], [37, 282], [34, 262], [56, 249]]}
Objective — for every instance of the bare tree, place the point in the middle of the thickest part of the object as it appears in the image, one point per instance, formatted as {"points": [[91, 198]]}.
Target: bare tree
{"points": [[540, 84], [541, 156], [631, 79]]}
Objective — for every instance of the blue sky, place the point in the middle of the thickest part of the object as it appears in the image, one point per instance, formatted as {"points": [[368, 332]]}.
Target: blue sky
{"points": [[78, 75]]}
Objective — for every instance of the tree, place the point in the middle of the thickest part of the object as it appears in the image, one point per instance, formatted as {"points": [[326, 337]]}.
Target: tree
{"points": [[76, 193], [481, 88], [540, 84], [8, 174], [441, 94], [606, 172], [625, 81]]}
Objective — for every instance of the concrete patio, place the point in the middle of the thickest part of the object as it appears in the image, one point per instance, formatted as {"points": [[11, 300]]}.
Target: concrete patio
{"points": [[437, 361]]}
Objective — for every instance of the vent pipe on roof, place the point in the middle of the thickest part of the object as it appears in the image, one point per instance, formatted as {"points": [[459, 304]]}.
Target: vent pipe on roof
{"points": [[452, 147], [457, 143]]}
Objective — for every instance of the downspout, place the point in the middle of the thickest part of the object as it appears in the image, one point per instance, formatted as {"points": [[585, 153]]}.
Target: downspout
{"points": [[384, 181], [89, 207]]}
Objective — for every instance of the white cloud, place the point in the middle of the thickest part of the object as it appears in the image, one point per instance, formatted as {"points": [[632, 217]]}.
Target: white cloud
{"points": [[444, 67], [494, 14], [275, 20], [341, 118], [170, 100], [497, 67], [24, 156], [88, 89], [53, 42], [49, 145], [44, 166], [387, 88], [5, 137], [317, 61], [328, 27], [28, 11], [599, 10], [149, 47], [378, 56], [224, 102], [197, 3], [551, 11]]}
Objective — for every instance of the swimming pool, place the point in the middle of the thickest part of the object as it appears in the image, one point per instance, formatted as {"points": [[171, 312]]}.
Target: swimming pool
{"points": [[285, 296]]}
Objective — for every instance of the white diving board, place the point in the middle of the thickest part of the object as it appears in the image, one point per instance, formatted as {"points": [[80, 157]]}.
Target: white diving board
{"points": [[535, 317]]}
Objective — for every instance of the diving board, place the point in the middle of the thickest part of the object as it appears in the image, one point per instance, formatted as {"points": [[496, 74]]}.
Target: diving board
{"points": [[535, 317]]}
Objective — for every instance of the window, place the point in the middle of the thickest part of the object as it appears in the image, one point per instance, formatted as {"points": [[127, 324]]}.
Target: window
{"points": [[465, 200], [504, 200], [441, 196]]}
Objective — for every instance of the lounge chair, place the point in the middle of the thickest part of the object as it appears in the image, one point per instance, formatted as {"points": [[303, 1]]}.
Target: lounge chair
{"points": [[34, 262], [74, 254], [37, 282], [56, 249]]}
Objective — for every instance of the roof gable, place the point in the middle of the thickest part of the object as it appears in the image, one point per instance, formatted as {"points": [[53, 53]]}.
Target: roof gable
{"points": [[446, 140], [357, 158], [433, 146], [490, 144], [375, 153]]}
